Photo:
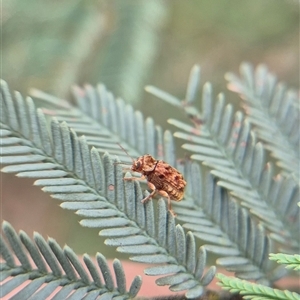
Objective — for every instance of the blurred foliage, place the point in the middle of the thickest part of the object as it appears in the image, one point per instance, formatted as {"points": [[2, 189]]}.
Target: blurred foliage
{"points": [[52, 45], [128, 56], [46, 43]]}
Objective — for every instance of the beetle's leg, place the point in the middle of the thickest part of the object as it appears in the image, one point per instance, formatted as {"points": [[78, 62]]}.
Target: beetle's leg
{"points": [[135, 178], [166, 195], [126, 169], [153, 188]]}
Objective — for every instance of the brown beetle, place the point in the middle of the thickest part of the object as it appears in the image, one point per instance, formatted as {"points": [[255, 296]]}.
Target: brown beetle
{"points": [[161, 178]]}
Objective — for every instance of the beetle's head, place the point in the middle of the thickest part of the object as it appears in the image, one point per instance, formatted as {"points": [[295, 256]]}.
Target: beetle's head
{"points": [[138, 164], [144, 164]]}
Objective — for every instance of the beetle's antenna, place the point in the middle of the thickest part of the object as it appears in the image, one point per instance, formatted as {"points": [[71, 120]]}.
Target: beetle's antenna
{"points": [[125, 152]]}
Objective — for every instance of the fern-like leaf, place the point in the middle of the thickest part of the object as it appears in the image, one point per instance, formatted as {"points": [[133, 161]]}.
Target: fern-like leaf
{"points": [[254, 291], [273, 111], [224, 142], [95, 189], [291, 261], [106, 121], [203, 209], [226, 229], [47, 266]]}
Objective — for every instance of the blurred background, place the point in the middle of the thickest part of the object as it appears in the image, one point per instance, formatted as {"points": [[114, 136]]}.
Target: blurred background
{"points": [[127, 44]]}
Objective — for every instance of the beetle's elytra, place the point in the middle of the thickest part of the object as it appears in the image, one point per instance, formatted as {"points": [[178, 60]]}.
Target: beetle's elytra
{"points": [[161, 178]]}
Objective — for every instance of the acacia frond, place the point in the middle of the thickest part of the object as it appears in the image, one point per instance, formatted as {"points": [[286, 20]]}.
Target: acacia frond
{"points": [[202, 211], [254, 291], [95, 189], [227, 229], [106, 121], [224, 142], [274, 112], [291, 261], [47, 267]]}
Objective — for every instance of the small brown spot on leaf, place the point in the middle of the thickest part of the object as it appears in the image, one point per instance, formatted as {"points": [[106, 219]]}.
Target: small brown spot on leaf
{"points": [[111, 187]]}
